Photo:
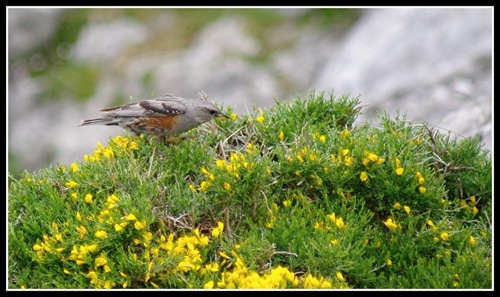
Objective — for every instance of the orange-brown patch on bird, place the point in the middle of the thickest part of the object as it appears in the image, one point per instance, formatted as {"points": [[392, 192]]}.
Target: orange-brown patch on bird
{"points": [[161, 122]]}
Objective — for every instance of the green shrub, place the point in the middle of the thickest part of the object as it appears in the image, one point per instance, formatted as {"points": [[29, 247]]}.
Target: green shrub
{"points": [[296, 196]]}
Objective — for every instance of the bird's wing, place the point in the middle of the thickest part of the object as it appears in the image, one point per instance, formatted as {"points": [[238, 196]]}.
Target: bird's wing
{"points": [[160, 107]]}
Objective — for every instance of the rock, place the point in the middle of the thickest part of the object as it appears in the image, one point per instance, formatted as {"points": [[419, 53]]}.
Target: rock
{"points": [[434, 65]]}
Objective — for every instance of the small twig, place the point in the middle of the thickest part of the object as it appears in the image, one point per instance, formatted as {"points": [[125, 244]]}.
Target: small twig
{"points": [[179, 222], [284, 253]]}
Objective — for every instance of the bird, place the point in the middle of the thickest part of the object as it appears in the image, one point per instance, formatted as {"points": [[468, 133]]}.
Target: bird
{"points": [[161, 117]]}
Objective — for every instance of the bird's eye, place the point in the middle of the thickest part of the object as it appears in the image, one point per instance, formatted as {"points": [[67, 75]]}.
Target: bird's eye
{"points": [[212, 112]]}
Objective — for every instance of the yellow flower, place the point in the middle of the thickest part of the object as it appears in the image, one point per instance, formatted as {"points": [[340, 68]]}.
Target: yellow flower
{"points": [[472, 241], [118, 228], [140, 225], [204, 185], [349, 161], [147, 236], [218, 230], [422, 190], [398, 163], [71, 184], [82, 230], [227, 186], [133, 146], [472, 200], [260, 118], [407, 209], [215, 233], [74, 167], [220, 164], [340, 223], [390, 224], [92, 275], [224, 255], [88, 198], [370, 158], [363, 176], [388, 262], [281, 135], [340, 276], [444, 236], [101, 261], [344, 133], [205, 171], [208, 285], [131, 217], [101, 234], [400, 171], [233, 116], [397, 205]]}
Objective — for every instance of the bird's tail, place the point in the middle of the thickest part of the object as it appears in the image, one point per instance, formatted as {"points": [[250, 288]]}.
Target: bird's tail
{"points": [[99, 121]]}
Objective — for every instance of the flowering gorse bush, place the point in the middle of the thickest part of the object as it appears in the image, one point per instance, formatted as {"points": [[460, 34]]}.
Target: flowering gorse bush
{"points": [[296, 196]]}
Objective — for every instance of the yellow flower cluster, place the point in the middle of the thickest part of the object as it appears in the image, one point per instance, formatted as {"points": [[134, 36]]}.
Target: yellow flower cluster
{"points": [[469, 206], [406, 208], [236, 165], [372, 159], [277, 278], [118, 145], [421, 182], [303, 155], [343, 157], [345, 133], [50, 244], [101, 270], [339, 222], [399, 169]]}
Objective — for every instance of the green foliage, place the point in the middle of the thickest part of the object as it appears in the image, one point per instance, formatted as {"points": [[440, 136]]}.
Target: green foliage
{"points": [[296, 196], [325, 17]]}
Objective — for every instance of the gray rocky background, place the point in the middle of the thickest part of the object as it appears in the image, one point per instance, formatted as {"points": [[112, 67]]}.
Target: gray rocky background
{"points": [[435, 65]]}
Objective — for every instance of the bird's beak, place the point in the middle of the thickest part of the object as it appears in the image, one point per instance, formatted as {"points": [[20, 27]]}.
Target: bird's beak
{"points": [[223, 115]]}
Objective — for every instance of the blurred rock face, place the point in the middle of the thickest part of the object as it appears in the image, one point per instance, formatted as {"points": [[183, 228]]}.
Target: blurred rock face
{"points": [[433, 64]]}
